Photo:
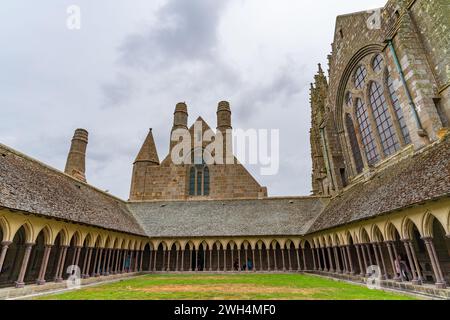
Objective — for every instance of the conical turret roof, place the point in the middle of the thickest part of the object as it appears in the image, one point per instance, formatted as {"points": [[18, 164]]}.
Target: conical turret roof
{"points": [[148, 150]]}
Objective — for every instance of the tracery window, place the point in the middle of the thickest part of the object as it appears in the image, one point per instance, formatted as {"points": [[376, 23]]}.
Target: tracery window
{"points": [[199, 177], [373, 119], [362, 115], [383, 119]]}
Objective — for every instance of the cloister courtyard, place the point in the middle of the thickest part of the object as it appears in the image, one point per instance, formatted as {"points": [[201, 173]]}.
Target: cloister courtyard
{"points": [[226, 287]]}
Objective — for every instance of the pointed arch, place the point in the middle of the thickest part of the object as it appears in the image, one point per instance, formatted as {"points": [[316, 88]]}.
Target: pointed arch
{"points": [[6, 229], [407, 229], [427, 224]]}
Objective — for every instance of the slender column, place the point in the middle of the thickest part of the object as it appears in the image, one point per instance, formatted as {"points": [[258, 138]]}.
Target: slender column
{"points": [[330, 260], [83, 270], [365, 260], [282, 259], [118, 256], [182, 259], [314, 258], [62, 261], [154, 260], [416, 262], [304, 259], [411, 262], [298, 259], [239, 259], [336, 260], [232, 259], [324, 258], [190, 260], [168, 260], [289, 258], [268, 259], [344, 259], [23, 268], [253, 260], [368, 253], [374, 245], [164, 260], [176, 260], [361, 270], [318, 258], [225, 259], [261, 267], [391, 258], [99, 264], [204, 259], [196, 259], [78, 252], [275, 258], [132, 260], [106, 269], [88, 264], [5, 245], [218, 258], [210, 260], [350, 260], [58, 266], [440, 282], [113, 261], [385, 276], [41, 278], [246, 259]]}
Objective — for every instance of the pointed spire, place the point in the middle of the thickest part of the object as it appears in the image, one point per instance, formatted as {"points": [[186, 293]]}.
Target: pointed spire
{"points": [[148, 152]]}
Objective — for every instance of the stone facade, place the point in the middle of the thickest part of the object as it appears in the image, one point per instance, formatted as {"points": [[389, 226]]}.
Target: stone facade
{"points": [[153, 180], [412, 39]]}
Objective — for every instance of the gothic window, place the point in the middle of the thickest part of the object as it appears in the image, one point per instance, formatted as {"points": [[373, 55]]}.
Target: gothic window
{"points": [[377, 63], [354, 143], [383, 119], [349, 99], [362, 115], [199, 177], [360, 77], [398, 110]]}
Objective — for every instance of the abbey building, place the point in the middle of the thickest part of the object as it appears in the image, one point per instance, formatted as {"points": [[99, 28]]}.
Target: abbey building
{"points": [[380, 149]]}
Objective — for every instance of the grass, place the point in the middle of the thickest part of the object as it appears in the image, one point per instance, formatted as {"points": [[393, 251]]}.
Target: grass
{"points": [[227, 287]]}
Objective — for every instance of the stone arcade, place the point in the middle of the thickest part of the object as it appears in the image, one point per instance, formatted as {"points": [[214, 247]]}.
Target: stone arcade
{"points": [[380, 182]]}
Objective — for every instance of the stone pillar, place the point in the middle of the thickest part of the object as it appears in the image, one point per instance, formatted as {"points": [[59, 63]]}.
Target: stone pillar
{"points": [[61, 262], [375, 249], [176, 260], [411, 262], [299, 268], [239, 259], [282, 259], [275, 258], [344, 259], [253, 259], [324, 257], [154, 260], [391, 258], [23, 268], [190, 260], [336, 259], [380, 249], [88, 264], [99, 264], [350, 260], [5, 245], [368, 253], [83, 269], [182, 260], [314, 259], [218, 258], [204, 259], [304, 259], [246, 259], [330, 260], [318, 259], [261, 267], [168, 260], [363, 251], [440, 282], [196, 259], [108, 261], [289, 258], [77, 255], [164, 260], [225, 260], [361, 270], [41, 278], [210, 260], [416, 262], [268, 259]]}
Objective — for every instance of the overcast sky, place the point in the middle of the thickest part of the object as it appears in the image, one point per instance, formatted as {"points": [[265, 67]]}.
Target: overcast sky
{"points": [[132, 61]]}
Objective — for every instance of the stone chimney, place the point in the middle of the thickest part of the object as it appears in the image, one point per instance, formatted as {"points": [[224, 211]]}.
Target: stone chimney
{"points": [[180, 120], [224, 126], [76, 160]]}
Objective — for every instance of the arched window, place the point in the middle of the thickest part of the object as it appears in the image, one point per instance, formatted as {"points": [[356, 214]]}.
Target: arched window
{"points": [[354, 143], [398, 110], [199, 176], [377, 63], [362, 115], [383, 119], [360, 77]]}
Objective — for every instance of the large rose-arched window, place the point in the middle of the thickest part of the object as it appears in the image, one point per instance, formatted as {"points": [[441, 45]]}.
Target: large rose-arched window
{"points": [[374, 121]]}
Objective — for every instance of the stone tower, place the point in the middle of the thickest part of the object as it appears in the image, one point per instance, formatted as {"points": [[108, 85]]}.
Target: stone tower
{"points": [[180, 120], [76, 160], [224, 127], [146, 159]]}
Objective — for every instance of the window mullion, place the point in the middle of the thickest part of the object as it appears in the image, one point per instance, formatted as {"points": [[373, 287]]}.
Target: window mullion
{"points": [[373, 124]]}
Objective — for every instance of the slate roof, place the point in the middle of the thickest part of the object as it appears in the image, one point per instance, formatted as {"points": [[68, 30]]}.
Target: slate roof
{"points": [[30, 186], [265, 217], [414, 180]]}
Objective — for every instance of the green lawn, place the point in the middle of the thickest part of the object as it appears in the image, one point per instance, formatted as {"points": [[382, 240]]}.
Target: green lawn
{"points": [[227, 286]]}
